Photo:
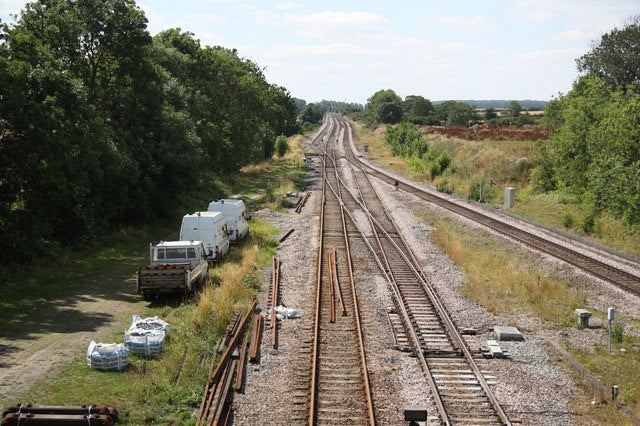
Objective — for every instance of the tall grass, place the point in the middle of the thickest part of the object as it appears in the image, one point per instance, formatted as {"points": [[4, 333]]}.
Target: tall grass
{"points": [[232, 283], [505, 283], [502, 281]]}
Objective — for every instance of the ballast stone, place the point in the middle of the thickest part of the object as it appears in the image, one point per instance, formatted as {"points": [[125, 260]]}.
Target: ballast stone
{"points": [[506, 333]]}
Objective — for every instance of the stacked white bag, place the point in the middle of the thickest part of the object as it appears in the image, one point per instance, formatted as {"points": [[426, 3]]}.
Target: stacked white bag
{"points": [[146, 337], [107, 356]]}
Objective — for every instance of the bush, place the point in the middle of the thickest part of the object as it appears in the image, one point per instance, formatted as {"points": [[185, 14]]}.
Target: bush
{"points": [[282, 146], [568, 220], [589, 223], [489, 193], [437, 162]]}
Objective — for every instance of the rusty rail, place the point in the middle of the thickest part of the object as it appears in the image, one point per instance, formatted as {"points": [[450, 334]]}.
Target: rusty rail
{"points": [[59, 415], [212, 408], [256, 337], [275, 291], [286, 234], [336, 282], [302, 201]]}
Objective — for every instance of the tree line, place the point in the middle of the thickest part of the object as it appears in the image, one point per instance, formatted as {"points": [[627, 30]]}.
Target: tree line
{"points": [[386, 107], [593, 153], [103, 125]]}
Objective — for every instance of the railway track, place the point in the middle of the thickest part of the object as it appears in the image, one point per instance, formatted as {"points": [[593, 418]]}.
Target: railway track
{"points": [[460, 389], [588, 263], [339, 388]]}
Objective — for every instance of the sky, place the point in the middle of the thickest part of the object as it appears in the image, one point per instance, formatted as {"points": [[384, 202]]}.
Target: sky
{"points": [[439, 49]]}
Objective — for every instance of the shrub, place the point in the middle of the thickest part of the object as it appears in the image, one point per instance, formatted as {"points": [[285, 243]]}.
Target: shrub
{"points": [[282, 145], [568, 220]]}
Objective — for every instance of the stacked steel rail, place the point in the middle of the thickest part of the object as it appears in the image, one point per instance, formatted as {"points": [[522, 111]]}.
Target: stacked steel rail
{"points": [[213, 408], [28, 414]]}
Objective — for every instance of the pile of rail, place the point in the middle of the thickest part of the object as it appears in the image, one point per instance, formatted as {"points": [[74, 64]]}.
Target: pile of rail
{"points": [[214, 409], [20, 414], [302, 200]]}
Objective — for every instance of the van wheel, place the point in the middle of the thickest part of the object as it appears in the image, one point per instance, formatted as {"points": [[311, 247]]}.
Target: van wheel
{"points": [[148, 296]]}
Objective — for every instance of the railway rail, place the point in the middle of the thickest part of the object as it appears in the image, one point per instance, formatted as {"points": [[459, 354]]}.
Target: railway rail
{"points": [[588, 263], [339, 387], [461, 391]]}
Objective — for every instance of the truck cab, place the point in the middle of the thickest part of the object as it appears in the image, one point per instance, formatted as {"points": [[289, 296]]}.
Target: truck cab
{"points": [[175, 267]]}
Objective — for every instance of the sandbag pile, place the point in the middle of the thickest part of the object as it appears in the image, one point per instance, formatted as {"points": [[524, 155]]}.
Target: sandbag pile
{"points": [[107, 356], [146, 337]]}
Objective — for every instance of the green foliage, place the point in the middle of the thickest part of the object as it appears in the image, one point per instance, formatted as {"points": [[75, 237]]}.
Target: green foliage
{"points": [[453, 113], [312, 114], [615, 59], [617, 334], [406, 140], [417, 109], [481, 191], [384, 107], [568, 220], [514, 109], [437, 161], [282, 146], [490, 114], [542, 176], [596, 149], [99, 120], [589, 223], [340, 107]]}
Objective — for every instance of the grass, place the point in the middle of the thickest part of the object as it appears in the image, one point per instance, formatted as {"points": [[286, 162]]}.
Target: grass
{"points": [[166, 390], [507, 164], [504, 282]]}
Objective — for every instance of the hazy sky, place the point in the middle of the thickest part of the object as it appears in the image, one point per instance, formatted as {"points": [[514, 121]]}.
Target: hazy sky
{"points": [[439, 49]]}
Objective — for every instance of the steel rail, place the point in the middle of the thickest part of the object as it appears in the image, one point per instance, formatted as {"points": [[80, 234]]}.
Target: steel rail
{"points": [[603, 270], [443, 314], [451, 328], [363, 370]]}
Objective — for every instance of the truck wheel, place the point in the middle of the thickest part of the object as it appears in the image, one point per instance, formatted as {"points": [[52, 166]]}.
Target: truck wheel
{"points": [[147, 296]]}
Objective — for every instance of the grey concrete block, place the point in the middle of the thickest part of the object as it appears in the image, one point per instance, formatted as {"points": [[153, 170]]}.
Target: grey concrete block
{"points": [[504, 333]]}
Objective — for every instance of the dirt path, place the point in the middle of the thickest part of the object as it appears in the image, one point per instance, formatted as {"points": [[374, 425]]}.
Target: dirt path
{"points": [[61, 329]]}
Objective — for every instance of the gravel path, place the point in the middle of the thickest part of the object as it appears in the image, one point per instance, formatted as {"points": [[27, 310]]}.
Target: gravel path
{"points": [[532, 385]]}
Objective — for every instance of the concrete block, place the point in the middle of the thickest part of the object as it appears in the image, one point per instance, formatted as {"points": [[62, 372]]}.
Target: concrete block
{"points": [[583, 317], [504, 333], [509, 197]]}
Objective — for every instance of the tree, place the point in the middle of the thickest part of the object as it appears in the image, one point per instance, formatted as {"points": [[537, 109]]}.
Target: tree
{"points": [[384, 107], [300, 103], [453, 113], [417, 109], [595, 153], [282, 145], [311, 113], [490, 114], [514, 109], [79, 102], [615, 59]]}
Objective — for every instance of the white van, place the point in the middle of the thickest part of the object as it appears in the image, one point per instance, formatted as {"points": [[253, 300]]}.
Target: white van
{"points": [[208, 227], [235, 214]]}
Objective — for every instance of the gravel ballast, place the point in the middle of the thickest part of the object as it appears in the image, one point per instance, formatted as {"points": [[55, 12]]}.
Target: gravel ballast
{"points": [[533, 385]]}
